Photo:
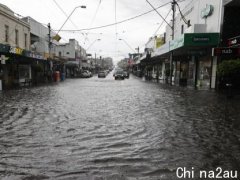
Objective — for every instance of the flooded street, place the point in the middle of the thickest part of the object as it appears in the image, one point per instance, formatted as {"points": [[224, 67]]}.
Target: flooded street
{"points": [[92, 129]]}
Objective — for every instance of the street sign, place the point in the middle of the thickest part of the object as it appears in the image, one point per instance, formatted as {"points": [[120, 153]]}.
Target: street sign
{"points": [[225, 51]]}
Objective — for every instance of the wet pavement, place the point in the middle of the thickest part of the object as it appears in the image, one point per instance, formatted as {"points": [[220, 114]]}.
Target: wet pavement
{"points": [[118, 130]]}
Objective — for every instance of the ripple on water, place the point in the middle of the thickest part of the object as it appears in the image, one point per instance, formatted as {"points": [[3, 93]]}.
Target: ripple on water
{"points": [[105, 129]]}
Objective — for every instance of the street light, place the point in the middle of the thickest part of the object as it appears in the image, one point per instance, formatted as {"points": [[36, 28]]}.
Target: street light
{"points": [[127, 44], [93, 43], [82, 6]]}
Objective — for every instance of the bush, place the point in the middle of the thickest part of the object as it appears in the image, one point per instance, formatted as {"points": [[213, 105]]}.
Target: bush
{"points": [[229, 68], [229, 72]]}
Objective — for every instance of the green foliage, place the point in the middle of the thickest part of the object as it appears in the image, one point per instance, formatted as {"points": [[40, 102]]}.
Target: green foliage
{"points": [[229, 68]]}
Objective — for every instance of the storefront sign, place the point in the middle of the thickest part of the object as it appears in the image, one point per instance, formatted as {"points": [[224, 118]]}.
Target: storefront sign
{"points": [[226, 52], [177, 43], [207, 11], [16, 50], [34, 55], [159, 42], [234, 41], [162, 50], [201, 39]]}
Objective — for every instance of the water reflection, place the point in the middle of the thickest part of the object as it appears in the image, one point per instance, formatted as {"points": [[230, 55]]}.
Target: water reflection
{"points": [[106, 129]]}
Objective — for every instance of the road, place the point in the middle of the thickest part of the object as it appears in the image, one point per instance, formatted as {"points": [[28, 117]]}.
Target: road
{"points": [[125, 130]]}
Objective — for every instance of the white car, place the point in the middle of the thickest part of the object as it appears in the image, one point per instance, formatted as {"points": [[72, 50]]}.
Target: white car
{"points": [[86, 74]]}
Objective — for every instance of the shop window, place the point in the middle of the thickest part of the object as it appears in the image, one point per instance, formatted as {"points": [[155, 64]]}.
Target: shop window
{"points": [[204, 72], [23, 72], [189, 23]]}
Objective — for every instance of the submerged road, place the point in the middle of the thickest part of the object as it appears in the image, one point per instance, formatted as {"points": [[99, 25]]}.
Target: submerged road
{"points": [[95, 129]]}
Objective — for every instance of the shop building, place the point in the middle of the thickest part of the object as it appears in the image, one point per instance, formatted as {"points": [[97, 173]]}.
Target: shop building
{"points": [[188, 57], [74, 54], [42, 42], [24, 51], [14, 44], [229, 47]]}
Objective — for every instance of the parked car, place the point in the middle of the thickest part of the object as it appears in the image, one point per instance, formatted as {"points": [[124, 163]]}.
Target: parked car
{"points": [[119, 75], [86, 74], [102, 74]]}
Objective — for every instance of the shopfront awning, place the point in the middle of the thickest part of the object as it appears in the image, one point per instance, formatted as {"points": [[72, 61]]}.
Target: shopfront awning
{"points": [[12, 51], [189, 43], [195, 40]]}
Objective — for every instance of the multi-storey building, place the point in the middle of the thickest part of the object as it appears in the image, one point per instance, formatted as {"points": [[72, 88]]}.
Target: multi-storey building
{"points": [[13, 30]]}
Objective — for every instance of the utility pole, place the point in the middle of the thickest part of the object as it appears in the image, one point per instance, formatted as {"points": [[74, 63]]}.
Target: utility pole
{"points": [[101, 60], [49, 39], [171, 54], [173, 17], [49, 48], [96, 65]]}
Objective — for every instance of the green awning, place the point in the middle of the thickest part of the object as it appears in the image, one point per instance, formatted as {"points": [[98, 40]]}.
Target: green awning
{"points": [[195, 40]]}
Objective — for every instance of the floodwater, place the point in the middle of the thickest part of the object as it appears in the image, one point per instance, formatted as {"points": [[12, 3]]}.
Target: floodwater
{"points": [[97, 129]]}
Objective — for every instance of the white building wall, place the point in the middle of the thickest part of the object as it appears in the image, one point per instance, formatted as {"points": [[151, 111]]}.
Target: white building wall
{"points": [[192, 12], [67, 50], [42, 33], [8, 18]]}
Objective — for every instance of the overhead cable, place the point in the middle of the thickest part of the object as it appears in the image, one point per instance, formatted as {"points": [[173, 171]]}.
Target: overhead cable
{"points": [[112, 24], [94, 17], [64, 13], [158, 13], [182, 16], [162, 22]]}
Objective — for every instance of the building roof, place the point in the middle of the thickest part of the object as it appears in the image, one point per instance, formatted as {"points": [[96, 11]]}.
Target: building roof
{"points": [[6, 9]]}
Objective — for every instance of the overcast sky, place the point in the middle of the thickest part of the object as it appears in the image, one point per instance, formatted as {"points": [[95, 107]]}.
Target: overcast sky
{"points": [[135, 33]]}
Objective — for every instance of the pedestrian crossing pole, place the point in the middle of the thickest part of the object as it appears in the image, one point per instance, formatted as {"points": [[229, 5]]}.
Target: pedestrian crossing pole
{"points": [[171, 54]]}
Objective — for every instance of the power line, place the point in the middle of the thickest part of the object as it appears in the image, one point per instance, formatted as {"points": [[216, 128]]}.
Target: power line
{"points": [[64, 13], [95, 14], [158, 13], [162, 23], [120, 22], [94, 17], [182, 16]]}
